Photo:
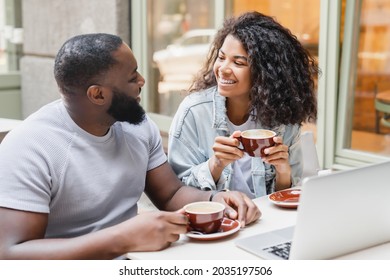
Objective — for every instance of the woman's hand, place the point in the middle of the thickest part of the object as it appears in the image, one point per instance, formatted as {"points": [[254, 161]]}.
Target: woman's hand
{"points": [[278, 157], [225, 152]]}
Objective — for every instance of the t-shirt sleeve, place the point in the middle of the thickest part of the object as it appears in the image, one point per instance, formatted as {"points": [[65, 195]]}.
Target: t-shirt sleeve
{"points": [[157, 155], [24, 174]]}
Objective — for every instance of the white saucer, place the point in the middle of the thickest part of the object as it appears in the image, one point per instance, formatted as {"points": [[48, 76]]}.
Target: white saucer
{"points": [[228, 227]]}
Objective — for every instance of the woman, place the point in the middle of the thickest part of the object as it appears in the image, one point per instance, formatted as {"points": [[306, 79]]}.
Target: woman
{"points": [[257, 75]]}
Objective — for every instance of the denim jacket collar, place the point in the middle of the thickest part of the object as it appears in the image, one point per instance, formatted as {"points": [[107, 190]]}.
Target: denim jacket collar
{"points": [[220, 117]]}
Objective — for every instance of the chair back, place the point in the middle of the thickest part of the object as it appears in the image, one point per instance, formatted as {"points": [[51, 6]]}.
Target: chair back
{"points": [[311, 164], [382, 109]]}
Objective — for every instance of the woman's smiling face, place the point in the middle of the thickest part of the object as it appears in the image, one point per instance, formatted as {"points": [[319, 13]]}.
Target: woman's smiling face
{"points": [[232, 70]]}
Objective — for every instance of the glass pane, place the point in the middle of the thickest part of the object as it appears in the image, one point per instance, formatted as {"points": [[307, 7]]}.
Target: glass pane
{"points": [[3, 58], [180, 35], [11, 35], [302, 17], [371, 109]]}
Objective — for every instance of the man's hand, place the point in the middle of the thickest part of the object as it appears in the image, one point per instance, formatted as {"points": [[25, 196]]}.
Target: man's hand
{"points": [[153, 231]]}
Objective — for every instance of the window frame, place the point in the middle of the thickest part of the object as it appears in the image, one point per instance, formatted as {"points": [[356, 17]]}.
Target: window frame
{"points": [[346, 157]]}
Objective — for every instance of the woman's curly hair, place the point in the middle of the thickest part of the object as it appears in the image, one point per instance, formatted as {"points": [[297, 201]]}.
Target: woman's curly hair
{"points": [[282, 70]]}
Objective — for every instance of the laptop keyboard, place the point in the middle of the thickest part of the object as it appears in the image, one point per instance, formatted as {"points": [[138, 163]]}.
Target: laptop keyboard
{"points": [[281, 250]]}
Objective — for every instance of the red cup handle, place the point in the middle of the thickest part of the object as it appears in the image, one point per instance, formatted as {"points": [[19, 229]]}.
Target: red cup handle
{"points": [[239, 138]]}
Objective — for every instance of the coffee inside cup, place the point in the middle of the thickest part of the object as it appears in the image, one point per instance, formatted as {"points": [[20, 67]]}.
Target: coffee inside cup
{"points": [[204, 208], [258, 134]]}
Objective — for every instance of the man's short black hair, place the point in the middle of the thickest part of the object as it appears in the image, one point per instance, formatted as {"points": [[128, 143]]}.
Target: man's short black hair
{"points": [[82, 59]]}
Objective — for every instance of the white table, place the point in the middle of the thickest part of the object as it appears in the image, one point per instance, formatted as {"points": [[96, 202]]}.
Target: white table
{"points": [[272, 218], [7, 125]]}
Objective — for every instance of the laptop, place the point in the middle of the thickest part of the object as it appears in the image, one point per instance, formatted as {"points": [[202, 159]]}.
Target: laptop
{"points": [[338, 214]]}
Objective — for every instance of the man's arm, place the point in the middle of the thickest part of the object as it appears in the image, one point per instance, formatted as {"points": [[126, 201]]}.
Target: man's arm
{"points": [[22, 233], [167, 192], [22, 237]]}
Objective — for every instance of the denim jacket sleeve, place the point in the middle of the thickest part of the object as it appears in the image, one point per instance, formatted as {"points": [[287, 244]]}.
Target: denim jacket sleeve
{"points": [[190, 145], [189, 168]]}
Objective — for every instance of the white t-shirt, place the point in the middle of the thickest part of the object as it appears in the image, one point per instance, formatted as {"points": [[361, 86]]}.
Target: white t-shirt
{"points": [[50, 165], [242, 167]]}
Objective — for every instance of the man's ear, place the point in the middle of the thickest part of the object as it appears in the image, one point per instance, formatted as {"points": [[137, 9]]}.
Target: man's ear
{"points": [[96, 95]]}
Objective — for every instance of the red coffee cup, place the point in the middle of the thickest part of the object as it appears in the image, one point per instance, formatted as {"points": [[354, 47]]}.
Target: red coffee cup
{"points": [[205, 216], [255, 141]]}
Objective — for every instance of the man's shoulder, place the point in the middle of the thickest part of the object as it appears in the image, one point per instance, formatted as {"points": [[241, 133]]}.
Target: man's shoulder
{"points": [[47, 116]]}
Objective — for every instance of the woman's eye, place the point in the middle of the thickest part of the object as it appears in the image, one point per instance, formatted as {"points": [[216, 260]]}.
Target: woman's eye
{"points": [[241, 63]]}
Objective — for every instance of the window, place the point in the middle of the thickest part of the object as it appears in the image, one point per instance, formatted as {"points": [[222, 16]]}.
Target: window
{"points": [[364, 73], [11, 35], [372, 78], [11, 38], [180, 34], [3, 41]]}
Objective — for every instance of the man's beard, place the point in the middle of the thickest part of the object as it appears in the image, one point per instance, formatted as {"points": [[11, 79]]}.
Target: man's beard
{"points": [[126, 109]]}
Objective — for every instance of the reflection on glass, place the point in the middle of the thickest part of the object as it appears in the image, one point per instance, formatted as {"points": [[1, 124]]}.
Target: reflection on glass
{"points": [[181, 60], [371, 116], [11, 36], [3, 60], [302, 17], [181, 32]]}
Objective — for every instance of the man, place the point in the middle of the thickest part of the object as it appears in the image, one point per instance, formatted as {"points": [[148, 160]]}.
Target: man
{"points": [[71, 174]]}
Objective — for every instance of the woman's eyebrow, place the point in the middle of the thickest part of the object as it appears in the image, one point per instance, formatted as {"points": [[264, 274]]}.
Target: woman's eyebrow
{"points": [[236, 56], [241, 57]]}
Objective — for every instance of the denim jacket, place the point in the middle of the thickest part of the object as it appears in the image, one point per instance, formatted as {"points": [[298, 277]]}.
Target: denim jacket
{"points": [[199, 119]]}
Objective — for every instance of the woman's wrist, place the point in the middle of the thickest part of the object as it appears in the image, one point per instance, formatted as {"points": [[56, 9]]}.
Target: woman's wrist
{"points": [[215, 169], [215, 192], [283, 180]]}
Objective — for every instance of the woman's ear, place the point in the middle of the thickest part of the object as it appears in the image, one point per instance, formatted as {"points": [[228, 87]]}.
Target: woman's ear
{"points": [[96, 95]]}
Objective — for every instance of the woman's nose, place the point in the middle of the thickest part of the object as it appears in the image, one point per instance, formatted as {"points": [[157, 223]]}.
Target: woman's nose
{"points": [[225, 68]]}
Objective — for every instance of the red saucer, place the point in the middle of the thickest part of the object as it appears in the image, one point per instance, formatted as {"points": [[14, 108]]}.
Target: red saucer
{"points": [[286, 198], [228, 227]]}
